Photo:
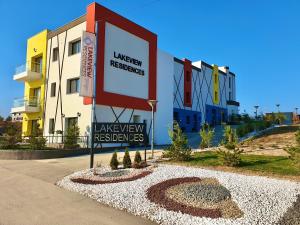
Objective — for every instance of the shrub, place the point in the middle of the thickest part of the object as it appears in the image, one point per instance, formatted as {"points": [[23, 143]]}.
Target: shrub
{"points": [[231, 155], [37, 143], [137, 157], [298, 137], [179, 149], [206, 135], [126, 159], [114, 163], [12, 136], [71, 139]]}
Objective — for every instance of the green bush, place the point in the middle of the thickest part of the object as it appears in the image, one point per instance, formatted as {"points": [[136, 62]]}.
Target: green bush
{"points": [[126, 159], [231, 155], [206, 135], [12, 136], [37, 143], [179, 149], [137, 157], [71, 139], [114, 163]]}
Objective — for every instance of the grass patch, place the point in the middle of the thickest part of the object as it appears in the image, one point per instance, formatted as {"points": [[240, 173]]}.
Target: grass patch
{"points": [[277, 165]]}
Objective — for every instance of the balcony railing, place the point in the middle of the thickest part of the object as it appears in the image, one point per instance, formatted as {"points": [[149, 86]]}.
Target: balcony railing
{"points": [[29, 71], [31, 104]]}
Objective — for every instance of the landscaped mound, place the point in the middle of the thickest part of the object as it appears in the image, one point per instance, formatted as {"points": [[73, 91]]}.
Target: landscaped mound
{"points": [[194, 196], [106, 176]]}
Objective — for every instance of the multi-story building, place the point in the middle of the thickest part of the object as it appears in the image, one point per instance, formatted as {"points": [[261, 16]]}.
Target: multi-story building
{"points": [[130, 70]]}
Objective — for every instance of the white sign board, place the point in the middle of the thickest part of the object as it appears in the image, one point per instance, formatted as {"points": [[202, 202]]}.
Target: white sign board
{"points": [[126, 63], [87, 64]]}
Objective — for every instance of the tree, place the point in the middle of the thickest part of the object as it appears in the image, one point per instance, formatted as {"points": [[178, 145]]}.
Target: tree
{"points": [[126, 159], [1, 119], [71, 138], [206, 134], [280, 118], [36, 140], [8, 118], [114, 163], [231, 155], [179, 149]]}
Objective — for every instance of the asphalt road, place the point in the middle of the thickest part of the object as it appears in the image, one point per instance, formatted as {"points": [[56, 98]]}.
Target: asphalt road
{"points": [[28, 195]]}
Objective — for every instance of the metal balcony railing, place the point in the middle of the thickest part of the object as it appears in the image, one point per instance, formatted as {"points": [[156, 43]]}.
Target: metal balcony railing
{"points": [[29, 66], [31, 101]]}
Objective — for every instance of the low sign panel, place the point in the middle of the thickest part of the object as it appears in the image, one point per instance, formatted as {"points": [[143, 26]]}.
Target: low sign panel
{"points": [[87, 64], [120, 133]]}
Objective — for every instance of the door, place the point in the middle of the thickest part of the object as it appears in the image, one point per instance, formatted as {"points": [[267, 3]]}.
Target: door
{"points": [[37, 64]]}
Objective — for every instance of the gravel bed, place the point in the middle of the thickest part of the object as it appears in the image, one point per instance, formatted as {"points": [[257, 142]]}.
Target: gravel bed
{"points": [[104, 175], [185, 194], [262, 200]]}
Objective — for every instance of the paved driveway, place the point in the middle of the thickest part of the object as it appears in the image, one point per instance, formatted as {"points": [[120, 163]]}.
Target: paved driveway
{"points": [[28, 195]]}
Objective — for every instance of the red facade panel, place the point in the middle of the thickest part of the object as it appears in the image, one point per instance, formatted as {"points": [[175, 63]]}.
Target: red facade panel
{"points": [[187, 83]]}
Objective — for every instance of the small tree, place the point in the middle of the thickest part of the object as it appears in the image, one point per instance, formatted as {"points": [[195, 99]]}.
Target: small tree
{"points": [[126, 159], [206, 135], [71, 139], [179, 149], [114, 163], [137, 157], [36, 140], [12, 135], [231, 155], [279, 118]]}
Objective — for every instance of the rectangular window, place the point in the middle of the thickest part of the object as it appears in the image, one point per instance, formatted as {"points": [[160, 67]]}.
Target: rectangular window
{"points": [[136, 118], [229, 82], [51, 126], [55, 54], [176, 116], [230, 97], [74, 47], [216, 78], [188, 120], [188, 76], [187, 97], [53, 90], [73, 86], [71, 121], [216, 96]]}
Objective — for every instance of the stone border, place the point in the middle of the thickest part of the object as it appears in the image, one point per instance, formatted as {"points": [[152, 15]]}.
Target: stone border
{"points": [[157, 194]]}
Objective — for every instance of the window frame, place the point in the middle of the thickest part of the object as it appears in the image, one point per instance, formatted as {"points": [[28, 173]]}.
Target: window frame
{"points": [[71, 44], [69, 87], [55, 53], [53, 90], [51, 128]]}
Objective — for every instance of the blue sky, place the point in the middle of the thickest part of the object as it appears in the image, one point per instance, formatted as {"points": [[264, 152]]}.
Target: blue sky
{"points": [[258, 40]]}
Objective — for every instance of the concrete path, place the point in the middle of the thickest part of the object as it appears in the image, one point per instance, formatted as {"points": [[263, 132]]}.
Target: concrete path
{"points": [[28, 195]]}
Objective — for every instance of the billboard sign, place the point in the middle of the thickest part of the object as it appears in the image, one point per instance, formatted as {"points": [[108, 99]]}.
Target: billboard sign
{"points": [[120, 133], [87, 64]]}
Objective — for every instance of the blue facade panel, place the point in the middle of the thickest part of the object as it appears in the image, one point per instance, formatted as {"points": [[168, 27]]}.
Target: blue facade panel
{"points": [[215, 115], [188, 120]]}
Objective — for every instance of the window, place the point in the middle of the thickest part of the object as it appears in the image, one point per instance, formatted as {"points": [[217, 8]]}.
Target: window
{"points": [[176, 116], [74, 47], [188, 76], [36, 64], [187, 97], [55, 54], [71, 121], [73, 86], [53, 90], [216, 78], [230, 97], [51, 126], [216, 96], [229, 82], [188, 120], [136, 118]]}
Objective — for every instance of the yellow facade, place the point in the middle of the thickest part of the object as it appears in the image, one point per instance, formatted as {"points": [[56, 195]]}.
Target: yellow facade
{"points": [[36, 57], [216, 91]]}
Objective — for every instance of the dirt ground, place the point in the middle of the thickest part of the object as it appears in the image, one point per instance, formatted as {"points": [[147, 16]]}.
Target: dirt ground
{"points": [[272, 143]]}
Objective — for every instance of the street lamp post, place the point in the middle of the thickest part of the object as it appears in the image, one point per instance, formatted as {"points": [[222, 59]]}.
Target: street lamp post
{"points": [[256, 108], [277, 105], [152, 103], [296, 109]]}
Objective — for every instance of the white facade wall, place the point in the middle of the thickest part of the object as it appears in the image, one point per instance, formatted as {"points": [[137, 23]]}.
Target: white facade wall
{"points": [[71, 105]]}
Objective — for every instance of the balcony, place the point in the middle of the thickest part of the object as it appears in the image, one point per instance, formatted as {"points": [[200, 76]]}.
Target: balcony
{"points": [[26, 105], [30, 71], [234, 103]]}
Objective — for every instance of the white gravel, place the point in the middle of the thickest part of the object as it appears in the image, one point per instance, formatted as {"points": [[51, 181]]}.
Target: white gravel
{"points": [[263, 200]]}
